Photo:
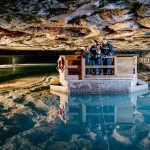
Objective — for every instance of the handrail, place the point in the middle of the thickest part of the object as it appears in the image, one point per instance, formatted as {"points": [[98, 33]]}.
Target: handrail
{"points": [[98, 66], [72, 66], [121, 67]]}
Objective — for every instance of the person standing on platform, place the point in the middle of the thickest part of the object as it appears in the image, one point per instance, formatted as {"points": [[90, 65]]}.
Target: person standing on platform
{"points": [[87, 56], [99, 60], [107, 50], [93, 50]]}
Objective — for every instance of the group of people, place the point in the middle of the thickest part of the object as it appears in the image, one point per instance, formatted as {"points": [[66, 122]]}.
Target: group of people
{"points": [[99, 55]]}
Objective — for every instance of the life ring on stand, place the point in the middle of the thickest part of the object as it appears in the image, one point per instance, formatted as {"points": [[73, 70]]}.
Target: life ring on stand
{"points": [[61, 64]]}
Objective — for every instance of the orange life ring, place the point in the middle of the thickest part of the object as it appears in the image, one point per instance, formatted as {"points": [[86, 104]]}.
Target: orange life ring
{"points": [[61, 64]]}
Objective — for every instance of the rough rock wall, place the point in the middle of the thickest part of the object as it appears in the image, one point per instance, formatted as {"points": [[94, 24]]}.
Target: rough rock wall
{"points": [[72, 24]]}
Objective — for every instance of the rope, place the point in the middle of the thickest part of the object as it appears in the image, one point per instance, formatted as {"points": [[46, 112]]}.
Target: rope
{"points": [[108, 147]]}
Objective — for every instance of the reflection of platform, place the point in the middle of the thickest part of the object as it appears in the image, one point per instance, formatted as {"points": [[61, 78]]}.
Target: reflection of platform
{"points": [[113, 108], [101, 99], [99, 108]]}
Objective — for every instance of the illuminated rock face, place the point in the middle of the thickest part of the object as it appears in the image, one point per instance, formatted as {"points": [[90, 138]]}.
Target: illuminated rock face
{"points": [[69, 24]]}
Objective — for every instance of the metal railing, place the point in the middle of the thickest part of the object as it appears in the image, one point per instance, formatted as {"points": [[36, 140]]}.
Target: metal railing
{"points": [[113, 66]]}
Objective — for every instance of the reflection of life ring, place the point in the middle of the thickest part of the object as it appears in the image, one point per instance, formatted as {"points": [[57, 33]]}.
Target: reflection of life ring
{"points": [[61, 113], [61, 64]]}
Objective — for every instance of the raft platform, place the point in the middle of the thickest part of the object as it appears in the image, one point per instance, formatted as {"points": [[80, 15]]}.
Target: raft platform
{"points": [[117, 109], [73, 78]]}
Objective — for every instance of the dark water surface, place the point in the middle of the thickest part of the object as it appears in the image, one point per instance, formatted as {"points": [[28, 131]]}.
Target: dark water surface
{"points": [[26, 70], [29, 68]]}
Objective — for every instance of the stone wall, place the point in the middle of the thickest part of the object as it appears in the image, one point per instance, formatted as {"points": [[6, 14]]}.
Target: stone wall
{"points": [[103, 86]]}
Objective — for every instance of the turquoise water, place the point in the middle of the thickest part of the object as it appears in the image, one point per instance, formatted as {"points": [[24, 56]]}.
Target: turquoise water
{"points": [[108, 121], [84, 122]]}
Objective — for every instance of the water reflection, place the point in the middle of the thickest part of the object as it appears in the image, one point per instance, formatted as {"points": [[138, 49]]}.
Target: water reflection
{"points": [[24, 70], [28, 68], [97, 109], [113, 121]]}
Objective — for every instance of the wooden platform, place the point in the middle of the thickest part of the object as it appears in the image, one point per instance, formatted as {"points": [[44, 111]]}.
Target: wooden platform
{"points": [[122, 80], [59, 88], [105, 77]]}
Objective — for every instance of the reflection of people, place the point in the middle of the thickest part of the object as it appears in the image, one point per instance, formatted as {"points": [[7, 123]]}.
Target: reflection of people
{"points": [[93, 51], [107, 50]]}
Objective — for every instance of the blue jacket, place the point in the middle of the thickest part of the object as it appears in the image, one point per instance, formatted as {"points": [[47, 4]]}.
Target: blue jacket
{"points": [[99, 55], [94, 48], [93, 51], [87, 54], [107, 49]]}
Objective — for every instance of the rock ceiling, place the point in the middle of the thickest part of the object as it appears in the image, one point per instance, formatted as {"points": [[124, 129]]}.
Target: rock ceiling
{"points": [[72, 24]]}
